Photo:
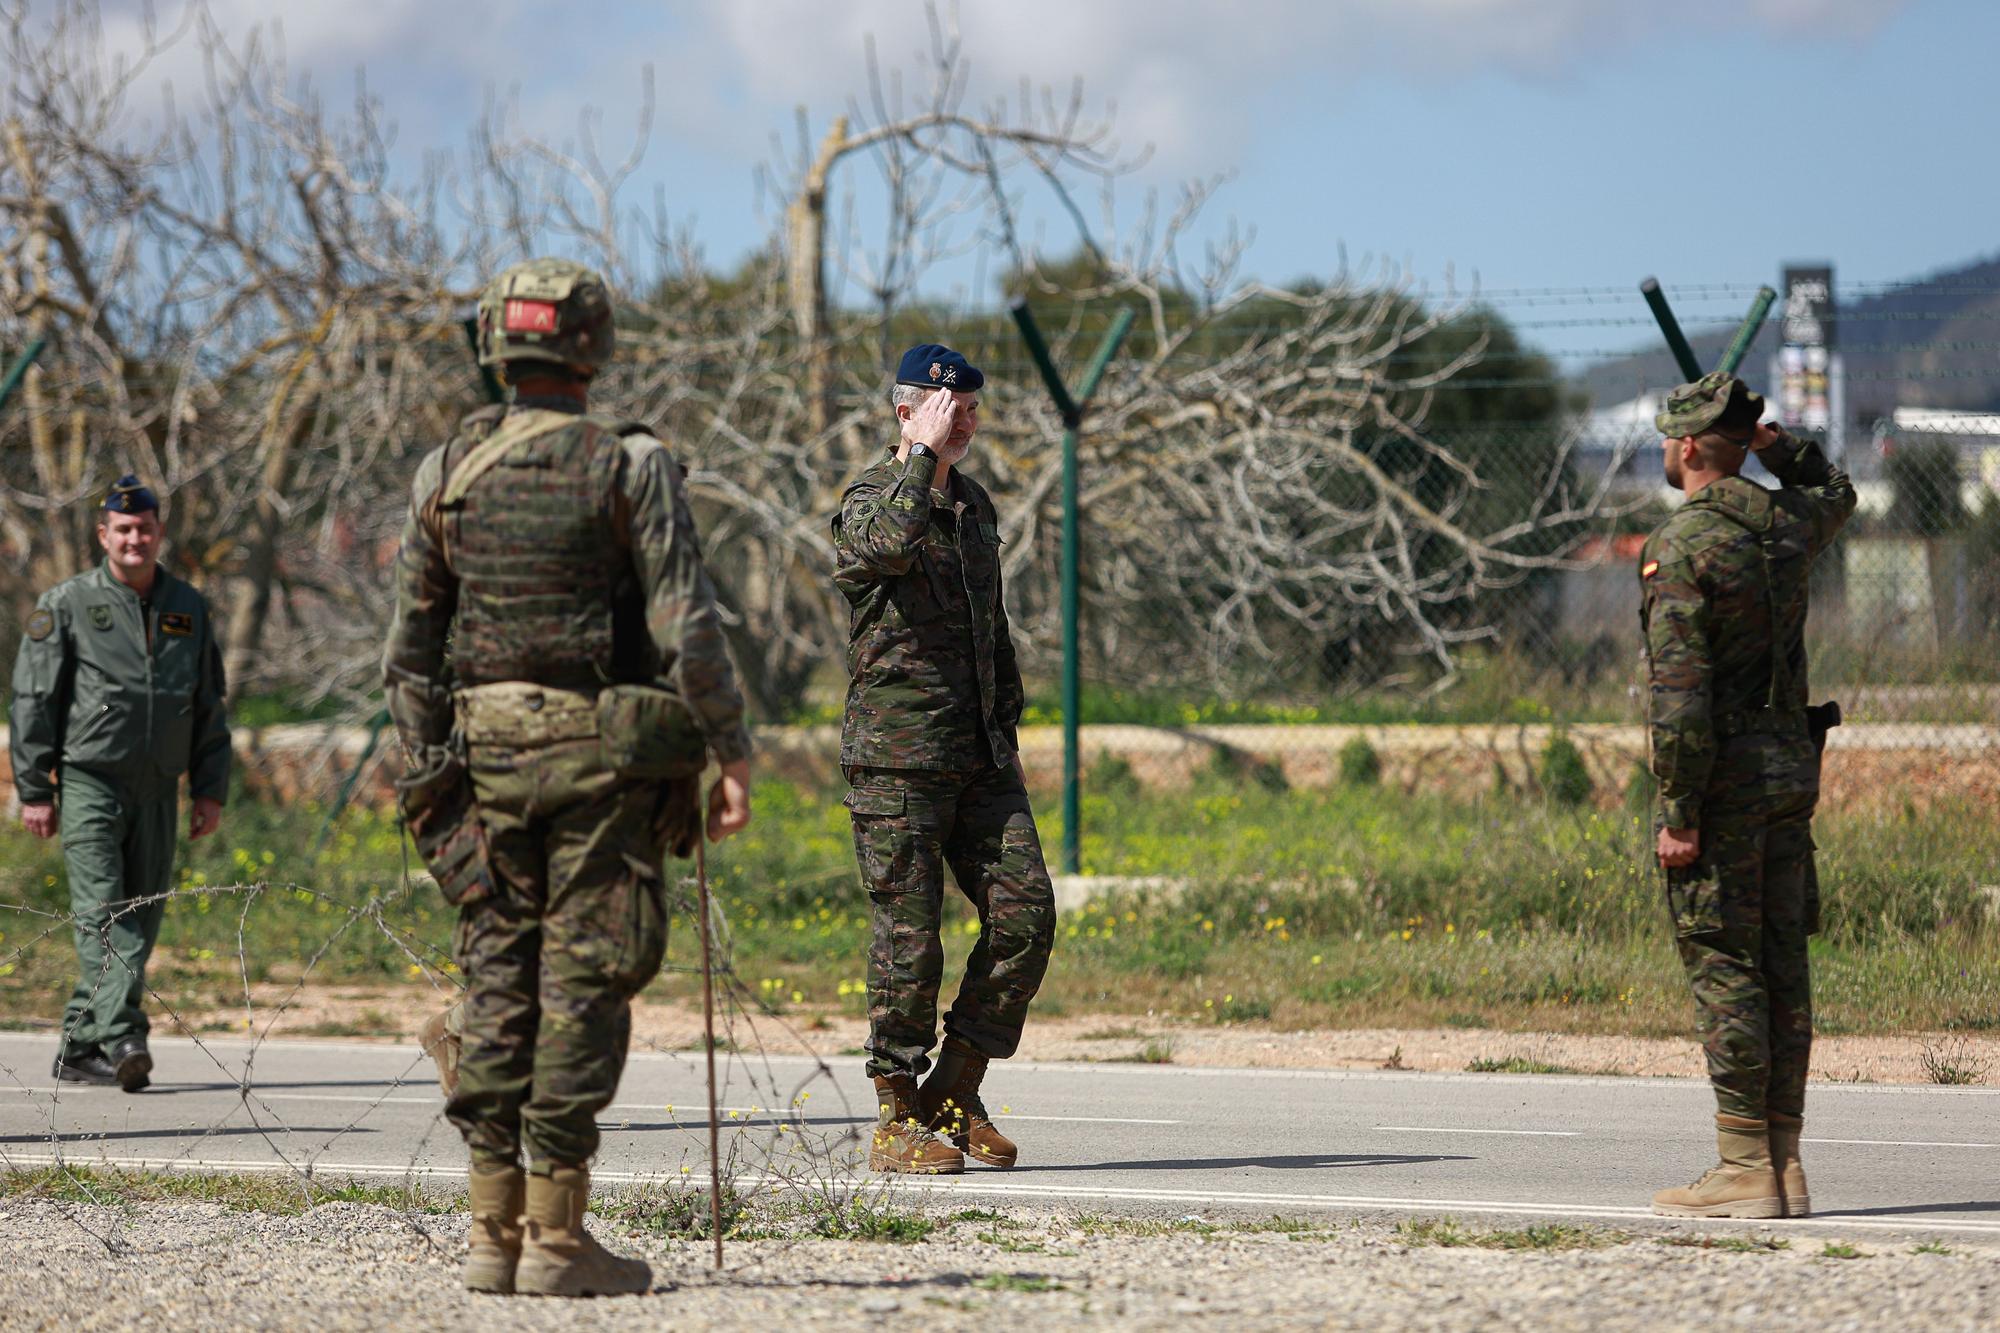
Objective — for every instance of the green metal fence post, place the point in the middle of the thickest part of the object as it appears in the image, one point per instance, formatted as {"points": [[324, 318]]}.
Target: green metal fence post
{"points": [[1670, 329], [1071, 410], [19, 369], [1747, 331]]}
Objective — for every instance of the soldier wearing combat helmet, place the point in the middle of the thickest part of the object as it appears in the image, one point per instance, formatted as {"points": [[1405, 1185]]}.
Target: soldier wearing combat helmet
{"points": [[554, 750], [929, 746], [1736, 750]]}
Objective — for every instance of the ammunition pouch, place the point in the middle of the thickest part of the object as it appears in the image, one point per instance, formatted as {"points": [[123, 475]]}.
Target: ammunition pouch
{"points": [[438, 809], [648, 734], [1820, 719]]}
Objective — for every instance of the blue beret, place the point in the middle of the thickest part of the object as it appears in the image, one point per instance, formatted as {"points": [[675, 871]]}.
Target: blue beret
{"points": [[129, 495], [935, 366]]}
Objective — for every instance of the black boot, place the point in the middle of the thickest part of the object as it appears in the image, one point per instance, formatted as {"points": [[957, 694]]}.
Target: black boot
{"points": [[85, 1067], [132, 1063]]}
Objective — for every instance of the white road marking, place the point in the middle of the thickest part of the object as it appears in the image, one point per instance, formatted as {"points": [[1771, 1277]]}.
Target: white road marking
{"points": [[1524, 1133], [1901, 1143], [981, 1185]]}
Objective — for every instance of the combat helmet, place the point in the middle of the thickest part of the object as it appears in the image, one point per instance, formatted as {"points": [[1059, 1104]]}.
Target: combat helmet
{"points": [[550, 310]]}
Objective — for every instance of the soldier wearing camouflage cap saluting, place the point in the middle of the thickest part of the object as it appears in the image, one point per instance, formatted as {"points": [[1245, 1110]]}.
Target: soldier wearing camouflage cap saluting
{"points": [[554, 752], [928, 746], [1736, 750], [118, 691]]}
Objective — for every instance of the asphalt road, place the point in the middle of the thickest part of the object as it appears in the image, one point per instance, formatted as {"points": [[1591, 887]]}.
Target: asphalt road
{"points": [[1144, 1139]]}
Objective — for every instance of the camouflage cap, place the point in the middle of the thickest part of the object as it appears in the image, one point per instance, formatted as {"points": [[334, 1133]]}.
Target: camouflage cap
{"points": [[552, 310], [1704, 405]]}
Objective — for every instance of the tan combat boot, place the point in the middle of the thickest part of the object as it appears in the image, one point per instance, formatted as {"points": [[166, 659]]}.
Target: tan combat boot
{"points": [[901, 1142], [1785, 1131], [558, 1257], [442, 1040], [1741, 1185], [949, 1102], [493, 1248]]}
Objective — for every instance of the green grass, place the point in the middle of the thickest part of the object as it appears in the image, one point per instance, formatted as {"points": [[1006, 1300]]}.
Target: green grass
{"points": [[1835, 1249], [1345, 906], [1728, 1244], [249, 1192], [1029, 1282], [1447, 1232], [1517, 1064]]}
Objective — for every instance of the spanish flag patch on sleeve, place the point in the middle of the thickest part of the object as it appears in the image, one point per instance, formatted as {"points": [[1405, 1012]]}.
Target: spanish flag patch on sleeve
{"points": [[1650, 568]]}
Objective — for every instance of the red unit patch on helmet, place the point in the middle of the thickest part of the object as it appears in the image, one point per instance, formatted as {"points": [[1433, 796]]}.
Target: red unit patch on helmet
{"points": [[521, 316]]}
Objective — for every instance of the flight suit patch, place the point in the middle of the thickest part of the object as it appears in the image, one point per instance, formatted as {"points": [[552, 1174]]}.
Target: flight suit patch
{"points": [[41, 624], [178, 623], [100, 617]]}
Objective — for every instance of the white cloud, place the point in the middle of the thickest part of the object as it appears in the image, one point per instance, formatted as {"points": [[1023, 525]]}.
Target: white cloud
{"points": [[1186, 76]]}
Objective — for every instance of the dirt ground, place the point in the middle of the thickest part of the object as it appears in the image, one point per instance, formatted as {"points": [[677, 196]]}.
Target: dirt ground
{"points": [[393, 1013]]}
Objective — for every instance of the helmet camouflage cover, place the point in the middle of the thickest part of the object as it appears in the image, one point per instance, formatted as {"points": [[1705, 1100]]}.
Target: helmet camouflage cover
{"points": [[551, 310], [1717, 401]]}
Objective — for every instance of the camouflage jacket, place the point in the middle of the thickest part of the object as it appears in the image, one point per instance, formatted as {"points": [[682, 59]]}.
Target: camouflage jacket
{"points": [[932, 678], [647, 518], [1723, 583]]}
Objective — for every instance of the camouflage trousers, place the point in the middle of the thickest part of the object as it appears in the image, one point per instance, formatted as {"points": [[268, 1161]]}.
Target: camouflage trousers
{"points": [[1741, 916], [908, 826], [577, 927]]}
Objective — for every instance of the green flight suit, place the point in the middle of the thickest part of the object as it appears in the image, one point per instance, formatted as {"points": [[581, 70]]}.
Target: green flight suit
{"points": [[115, 698]]}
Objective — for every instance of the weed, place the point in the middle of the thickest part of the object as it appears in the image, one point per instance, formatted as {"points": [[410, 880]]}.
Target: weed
{"points": [[1930, 1247], [1516, 1064], [1360, 765], [1158, 1051], [1447, 1233], [1466, 1021], [247, 1192], [1836, 1249], [1728, 1244], [1565, 777], [1112, 1034], [1953, 1061], [862, 1221], [1018, 1282], [676, 1209]]}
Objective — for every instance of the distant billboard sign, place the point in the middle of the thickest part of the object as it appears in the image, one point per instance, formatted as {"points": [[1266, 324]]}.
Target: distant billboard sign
{"points": [[1805, 353]]}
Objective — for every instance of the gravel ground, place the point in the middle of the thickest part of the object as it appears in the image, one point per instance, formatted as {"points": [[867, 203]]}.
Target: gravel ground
{"points": [[344, 1265]]}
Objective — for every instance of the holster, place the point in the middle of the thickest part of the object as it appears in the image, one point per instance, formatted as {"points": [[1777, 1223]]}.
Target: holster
{"points": [[1820, 719], [648, 734], [443, 819]]}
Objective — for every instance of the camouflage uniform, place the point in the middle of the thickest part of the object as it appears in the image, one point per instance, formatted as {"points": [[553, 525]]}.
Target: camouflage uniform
{"points": [[570, 564], [929, 748], [1724, 582]]}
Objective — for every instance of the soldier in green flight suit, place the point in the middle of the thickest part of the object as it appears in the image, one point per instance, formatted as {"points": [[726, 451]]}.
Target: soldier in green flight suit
{"points": [[117, 692]]}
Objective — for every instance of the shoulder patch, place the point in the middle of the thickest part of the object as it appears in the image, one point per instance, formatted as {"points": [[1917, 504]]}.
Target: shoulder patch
{"points": [[41, 624], [1650, 568]]}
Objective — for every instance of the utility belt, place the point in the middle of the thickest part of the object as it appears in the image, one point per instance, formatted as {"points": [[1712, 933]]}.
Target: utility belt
{"points": [[1813, 721], [646, 732]]}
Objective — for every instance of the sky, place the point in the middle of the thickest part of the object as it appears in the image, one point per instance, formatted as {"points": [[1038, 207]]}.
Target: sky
{"points": [[1522, 144]]}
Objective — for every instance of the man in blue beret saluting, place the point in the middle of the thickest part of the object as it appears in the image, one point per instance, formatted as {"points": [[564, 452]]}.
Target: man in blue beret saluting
{"points": [[929, 748], [118, 691]]}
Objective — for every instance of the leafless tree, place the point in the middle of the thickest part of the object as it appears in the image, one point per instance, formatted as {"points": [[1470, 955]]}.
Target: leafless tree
{"points": [[254, 302]]}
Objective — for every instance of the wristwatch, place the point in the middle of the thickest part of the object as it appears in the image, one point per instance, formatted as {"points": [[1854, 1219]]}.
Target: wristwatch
{"points": [[922, 450]]}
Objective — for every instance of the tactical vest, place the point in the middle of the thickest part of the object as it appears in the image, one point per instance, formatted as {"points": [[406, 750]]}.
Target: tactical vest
{"points": [[546, 591]]}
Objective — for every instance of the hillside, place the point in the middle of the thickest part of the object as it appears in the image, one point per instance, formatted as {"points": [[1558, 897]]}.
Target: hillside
{"points": [[1933, 342]]}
